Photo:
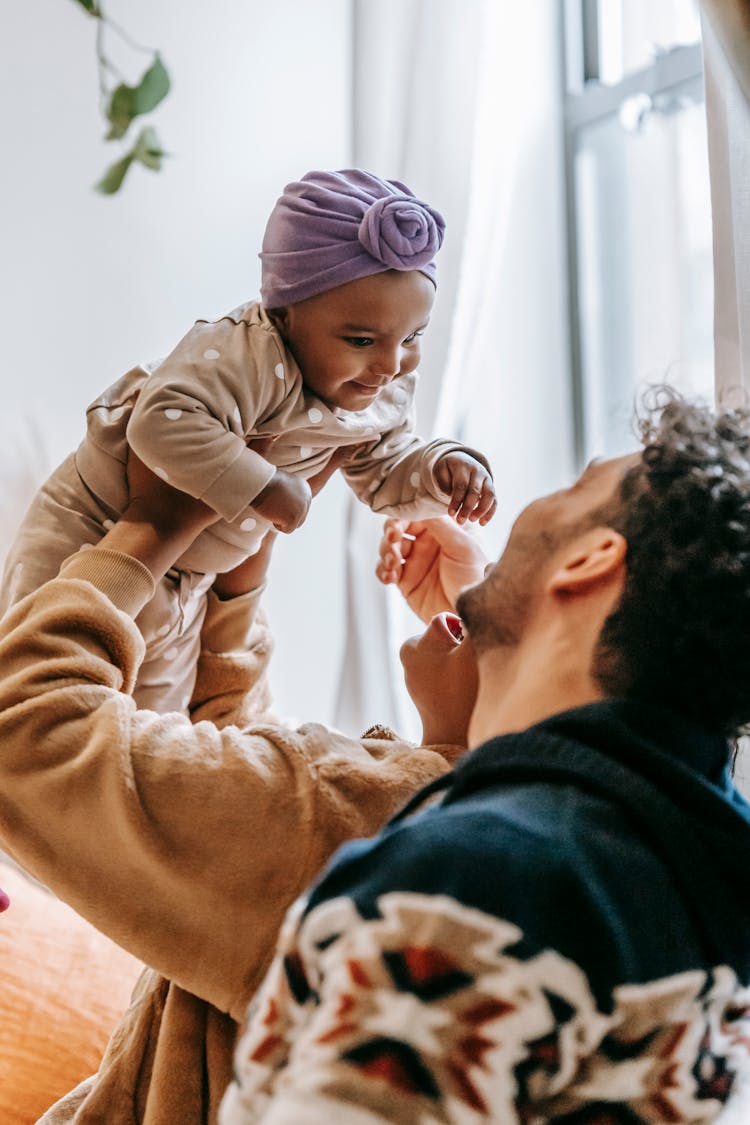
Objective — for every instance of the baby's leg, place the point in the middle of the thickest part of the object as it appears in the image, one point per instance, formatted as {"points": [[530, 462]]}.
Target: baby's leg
{"points": [[171, 626], [62, 518]]}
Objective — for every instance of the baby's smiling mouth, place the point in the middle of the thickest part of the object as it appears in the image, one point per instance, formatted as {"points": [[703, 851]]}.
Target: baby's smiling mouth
{"points": [[368, 388]]}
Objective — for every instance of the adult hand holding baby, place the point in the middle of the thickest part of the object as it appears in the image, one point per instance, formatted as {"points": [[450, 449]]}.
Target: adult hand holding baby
{"points": [[430, 561], [160, 522], [166, 508]]}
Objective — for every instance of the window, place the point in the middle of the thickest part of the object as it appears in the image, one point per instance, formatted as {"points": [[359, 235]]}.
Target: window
{"points": [[639, 214]]}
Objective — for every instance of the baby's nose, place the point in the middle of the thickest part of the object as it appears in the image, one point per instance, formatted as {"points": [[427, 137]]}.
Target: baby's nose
{"points": [[386, 363]]}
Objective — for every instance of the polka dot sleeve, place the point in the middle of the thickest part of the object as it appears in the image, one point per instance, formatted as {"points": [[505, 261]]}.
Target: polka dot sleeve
{"points": [[195, 414]]}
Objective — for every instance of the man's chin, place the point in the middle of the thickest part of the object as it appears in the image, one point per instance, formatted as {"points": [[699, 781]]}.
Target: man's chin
{"points": [[488, 624]]}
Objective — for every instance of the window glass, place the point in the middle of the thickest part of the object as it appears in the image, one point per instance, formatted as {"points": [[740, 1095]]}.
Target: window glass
{"points": [[631, 33], [645, 262]]}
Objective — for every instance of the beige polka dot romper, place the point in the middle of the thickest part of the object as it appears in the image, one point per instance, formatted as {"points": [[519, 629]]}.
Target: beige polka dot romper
{"points": [[191, 418]]}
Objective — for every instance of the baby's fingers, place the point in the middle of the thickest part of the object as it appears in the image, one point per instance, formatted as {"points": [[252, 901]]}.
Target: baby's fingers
{"points": [[487, 504], [466, 494], [389, 564], [390, 559]]}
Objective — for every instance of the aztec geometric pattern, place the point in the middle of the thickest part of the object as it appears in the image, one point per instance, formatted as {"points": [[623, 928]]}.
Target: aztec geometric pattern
{"points": [[434, 1013]]}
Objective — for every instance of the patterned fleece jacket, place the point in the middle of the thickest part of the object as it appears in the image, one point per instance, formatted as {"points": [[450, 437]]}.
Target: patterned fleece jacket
{"points": [[564, 939]]}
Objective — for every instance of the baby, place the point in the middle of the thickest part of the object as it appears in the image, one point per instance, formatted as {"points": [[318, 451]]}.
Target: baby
{"points": [[327, 359]]}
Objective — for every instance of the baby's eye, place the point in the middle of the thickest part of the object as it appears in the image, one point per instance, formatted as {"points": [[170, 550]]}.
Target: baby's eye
{"points": [[414, 335], [359, 341]]}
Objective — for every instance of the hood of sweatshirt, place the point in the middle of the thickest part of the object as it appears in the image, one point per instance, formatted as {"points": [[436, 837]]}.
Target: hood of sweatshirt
{"points": [[673, 779]]}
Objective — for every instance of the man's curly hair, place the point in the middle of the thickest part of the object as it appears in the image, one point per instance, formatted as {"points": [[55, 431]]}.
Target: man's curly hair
{"points": [[680, 635]]}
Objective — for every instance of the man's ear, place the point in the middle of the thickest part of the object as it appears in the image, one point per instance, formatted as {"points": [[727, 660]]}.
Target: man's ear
{"points": [[595, 556]]}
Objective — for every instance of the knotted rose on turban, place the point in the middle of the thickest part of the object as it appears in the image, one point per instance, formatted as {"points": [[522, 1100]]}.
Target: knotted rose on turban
{"points": [[333, 227]]}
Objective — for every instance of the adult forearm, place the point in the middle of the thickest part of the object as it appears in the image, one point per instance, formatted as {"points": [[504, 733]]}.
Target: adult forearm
{"points": [[183, 843], [141, 540]]}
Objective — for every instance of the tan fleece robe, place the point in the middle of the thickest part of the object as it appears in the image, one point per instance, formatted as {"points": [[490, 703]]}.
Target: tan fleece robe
{"points": [[184, 843]]}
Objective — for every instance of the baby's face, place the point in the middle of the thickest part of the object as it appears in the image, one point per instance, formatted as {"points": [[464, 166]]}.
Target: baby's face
{"points": [[355, 339]]}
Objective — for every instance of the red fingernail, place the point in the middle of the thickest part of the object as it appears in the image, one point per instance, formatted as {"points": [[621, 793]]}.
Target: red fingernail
{"points": [[454, 624]]}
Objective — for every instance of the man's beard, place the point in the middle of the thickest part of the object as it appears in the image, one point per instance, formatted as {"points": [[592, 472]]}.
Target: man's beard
{"points": [[496, 610]]}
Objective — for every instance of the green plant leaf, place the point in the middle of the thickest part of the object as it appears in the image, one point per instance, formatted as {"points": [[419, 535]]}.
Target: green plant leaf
{"points": [[111, 181], [148, 149], [92, 7], [120, 112], [127, 102], [152, 88]]}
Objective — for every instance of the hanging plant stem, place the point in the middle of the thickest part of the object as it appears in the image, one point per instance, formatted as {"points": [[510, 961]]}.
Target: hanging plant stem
{"points": [[120, 103]]}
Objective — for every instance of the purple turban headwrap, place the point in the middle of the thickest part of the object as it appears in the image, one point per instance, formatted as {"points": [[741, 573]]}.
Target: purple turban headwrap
{"points": [[332, 227]]}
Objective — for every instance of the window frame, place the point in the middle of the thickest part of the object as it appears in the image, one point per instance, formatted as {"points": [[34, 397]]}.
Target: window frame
{"points": [[586, 101]]}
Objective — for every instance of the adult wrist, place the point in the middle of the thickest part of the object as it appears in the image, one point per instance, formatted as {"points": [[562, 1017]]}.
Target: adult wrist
{"points": [[441, 733], [155, 547], [127, 583]]}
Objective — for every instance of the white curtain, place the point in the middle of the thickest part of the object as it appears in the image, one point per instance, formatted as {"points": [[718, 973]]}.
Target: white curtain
{"points": [[726, 63], [726, 52], [461, 99]]}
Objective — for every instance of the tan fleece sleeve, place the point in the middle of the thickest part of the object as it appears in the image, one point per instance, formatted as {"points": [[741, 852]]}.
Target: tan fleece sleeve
{"points": [[125, 580], [184, 843]]}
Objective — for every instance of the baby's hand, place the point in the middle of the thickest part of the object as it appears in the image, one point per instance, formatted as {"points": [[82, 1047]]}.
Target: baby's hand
{"points": [[285, 501], [470, 485]]}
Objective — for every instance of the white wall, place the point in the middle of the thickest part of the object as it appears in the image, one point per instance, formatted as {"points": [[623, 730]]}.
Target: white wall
{"points": [[90, 285]]}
